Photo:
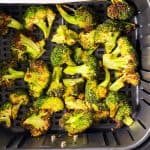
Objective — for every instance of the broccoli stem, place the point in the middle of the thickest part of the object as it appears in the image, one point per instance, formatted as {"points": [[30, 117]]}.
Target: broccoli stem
{"points": [[118, 84], [57, 73], [13, 74], [15, 24], [32, 49], [65, 15], [42, 25], [128, 120], [72, 82], [107, 78], [75, 70]]}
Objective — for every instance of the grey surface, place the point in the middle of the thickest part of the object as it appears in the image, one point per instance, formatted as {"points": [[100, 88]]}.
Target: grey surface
{"points": [[100, 136]]}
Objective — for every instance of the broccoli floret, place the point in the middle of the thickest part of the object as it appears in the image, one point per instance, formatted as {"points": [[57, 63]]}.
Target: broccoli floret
{"points": [[6, 114], [112, 101], [37, 77], [56, 87], [73, 86], [123, 114], [120, 10], [51, 104], [108, 32], [8, 74], [130, 77], [82, 16], [88, 70], [64, 35], [60, 55], [18, 98], [87, 41], [23, 46], [40, 16], [76, 122], [38, 123], [6, 22], [76, 104]]}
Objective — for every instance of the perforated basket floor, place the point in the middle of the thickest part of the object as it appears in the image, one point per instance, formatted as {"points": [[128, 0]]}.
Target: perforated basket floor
{"points": [[99, 135]]}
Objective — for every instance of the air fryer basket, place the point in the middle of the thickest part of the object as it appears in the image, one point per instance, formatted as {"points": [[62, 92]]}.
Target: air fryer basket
{"points": [[99, 136]]}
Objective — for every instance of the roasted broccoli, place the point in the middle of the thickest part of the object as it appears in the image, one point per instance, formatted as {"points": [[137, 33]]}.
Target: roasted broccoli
{"points": [[40, 16], [60, 55], [101, 113], [88, 70], [108, 32], [72, 103], [37, 77], [18, 98], [23, 46], [73, 86], [6, 22], [80, 56], [76, 122], [87, 41], [130, 77], [82, 16], [56, 87], [64, 35], [38, 122], [124, 112], [6, 114], [120, 10], [51, 104], [8, 74]]}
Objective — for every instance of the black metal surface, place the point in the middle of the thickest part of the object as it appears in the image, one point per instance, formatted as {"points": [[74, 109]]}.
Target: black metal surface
{"points": [[100, 136]]}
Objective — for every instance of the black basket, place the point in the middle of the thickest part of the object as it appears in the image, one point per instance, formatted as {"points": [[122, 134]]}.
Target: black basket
{"points": [[99, 136]]}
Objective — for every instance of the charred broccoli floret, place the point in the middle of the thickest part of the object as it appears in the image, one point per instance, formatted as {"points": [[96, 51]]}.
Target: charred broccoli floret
{"points": [[37, 77], [87, 41], [76, 122], [120, 10], [6, 22], [6, 114], [38, 123], [23, 46], [88, 70], [82, 16], [51, 104], [64, 35], [40, 16], [60, 55], [56, 87], [130, 77], [108, 32], [72, 103], [73, 86], [8, 74]]}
